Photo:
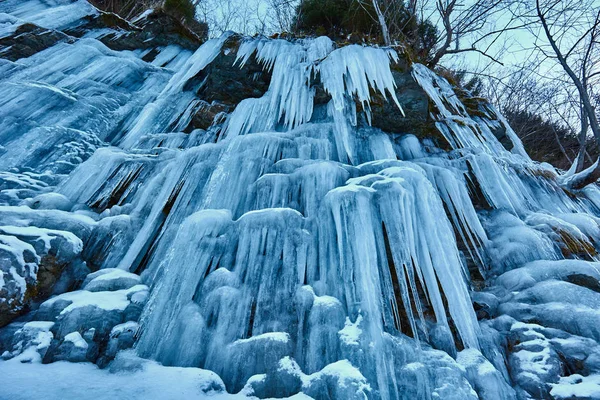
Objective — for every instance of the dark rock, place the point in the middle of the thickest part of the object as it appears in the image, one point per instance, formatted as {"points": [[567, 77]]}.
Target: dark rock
{"points": [[415, 104], [28, 40], [155, 29], [585, 281], [208, 114], [72, 348], [228, 83]]}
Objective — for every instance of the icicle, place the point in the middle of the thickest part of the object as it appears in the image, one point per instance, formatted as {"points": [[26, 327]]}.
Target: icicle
{"points": [[289, 99], [453, 191], [454, 121], [173, 106], [343, 76], [433, 255]]}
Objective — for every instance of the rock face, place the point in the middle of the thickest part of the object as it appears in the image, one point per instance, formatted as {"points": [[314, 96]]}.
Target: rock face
{"points": [[29, 39], [153, 29], [272, 218]]}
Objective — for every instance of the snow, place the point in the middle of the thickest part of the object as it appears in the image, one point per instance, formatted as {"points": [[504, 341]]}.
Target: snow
{"points": [[270, 336], [117, 300], [126, 326], [577, 386], [35, 337], [46, 235], [76, 339], [344, 372], [43, 325], [110, 279], [350, 334], [84, 381]]}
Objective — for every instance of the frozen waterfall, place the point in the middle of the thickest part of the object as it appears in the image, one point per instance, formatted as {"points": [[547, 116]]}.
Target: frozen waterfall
{"points": [[290, 246]]}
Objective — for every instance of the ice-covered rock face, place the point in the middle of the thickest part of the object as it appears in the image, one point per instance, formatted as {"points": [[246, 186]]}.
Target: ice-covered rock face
{"points": [[236, 209]]}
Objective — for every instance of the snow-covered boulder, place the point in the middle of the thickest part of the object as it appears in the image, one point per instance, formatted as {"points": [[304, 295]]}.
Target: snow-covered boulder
{"points": [[32, 261], [31, 342], [110, 279]]}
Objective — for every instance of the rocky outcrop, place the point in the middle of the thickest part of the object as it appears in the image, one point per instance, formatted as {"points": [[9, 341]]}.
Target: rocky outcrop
{"points": [[227, 82], [91, 324], [153, 28], [29, 39], [32, 263]]}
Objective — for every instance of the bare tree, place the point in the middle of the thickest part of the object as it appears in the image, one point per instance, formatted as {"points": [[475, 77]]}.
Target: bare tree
{"points": [[283, 13], [571, 29], [474, 24], [247, 16], [382, 23]]}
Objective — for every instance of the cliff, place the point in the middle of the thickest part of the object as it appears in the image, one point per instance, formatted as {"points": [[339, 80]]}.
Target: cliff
{"points": [[255, 217]]}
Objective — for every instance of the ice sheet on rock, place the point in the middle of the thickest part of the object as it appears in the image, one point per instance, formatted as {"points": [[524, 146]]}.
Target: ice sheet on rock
{"points": [[172, 109], [455, 123], [110, 177], [557, 304], [588, 224], [110, 279], [513, 243], [538, 271], [171, 57], [8, 24], [566, 235], [49, 201], [502, 189], [56, 150], [17, 186], [175, 140], [53, 14], [439, 91], [82, 87]]}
